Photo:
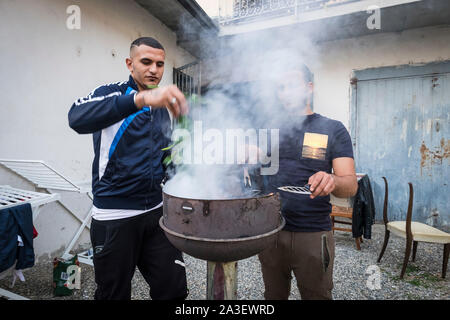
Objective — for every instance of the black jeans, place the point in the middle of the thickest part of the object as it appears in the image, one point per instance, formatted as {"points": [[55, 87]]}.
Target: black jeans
{"points": [[121, 245]]}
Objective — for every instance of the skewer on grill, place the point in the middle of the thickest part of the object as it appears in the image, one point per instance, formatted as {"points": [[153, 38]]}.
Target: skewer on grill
{"points": [[247, 180], [294, 189]]}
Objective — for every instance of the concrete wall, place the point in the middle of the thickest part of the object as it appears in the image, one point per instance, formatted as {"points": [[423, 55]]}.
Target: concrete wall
{"points": [[45, 67], [337, 59], [332, 63]]}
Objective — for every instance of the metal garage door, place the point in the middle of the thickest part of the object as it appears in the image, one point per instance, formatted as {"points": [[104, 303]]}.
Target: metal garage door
{"points": [[400, 129]]}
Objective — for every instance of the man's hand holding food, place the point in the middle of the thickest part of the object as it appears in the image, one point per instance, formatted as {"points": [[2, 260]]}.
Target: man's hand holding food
{"points": [[169, 97]]}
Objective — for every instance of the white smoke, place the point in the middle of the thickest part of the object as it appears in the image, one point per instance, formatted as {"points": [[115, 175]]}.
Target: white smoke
{"points": [[242, 74]]}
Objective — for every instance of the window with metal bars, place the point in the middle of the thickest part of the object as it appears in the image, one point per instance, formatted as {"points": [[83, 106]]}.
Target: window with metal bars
{"points": [[187, 78]]}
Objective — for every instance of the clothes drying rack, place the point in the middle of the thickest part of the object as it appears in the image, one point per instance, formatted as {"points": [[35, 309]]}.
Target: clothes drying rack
{"points": [[43, 176], [10, 197]]}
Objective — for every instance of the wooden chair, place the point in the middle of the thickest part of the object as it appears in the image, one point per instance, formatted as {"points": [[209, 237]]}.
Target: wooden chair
{"points": [[344, 212], [342, 208], [414, 232]]}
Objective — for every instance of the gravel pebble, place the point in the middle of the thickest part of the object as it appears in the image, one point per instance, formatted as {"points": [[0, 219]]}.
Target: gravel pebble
{"points": [[351, 275]]}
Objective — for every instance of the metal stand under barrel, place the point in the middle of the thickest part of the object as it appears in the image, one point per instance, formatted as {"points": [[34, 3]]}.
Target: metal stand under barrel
{"points": [[221, 280]]}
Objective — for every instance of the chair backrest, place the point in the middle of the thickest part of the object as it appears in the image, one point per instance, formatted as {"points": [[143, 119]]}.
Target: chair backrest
{"points": [[409, 212], [410, 206]]}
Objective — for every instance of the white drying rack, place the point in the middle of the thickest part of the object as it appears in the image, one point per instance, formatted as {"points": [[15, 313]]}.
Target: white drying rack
{"points": [[11, 197], [44, 176]]}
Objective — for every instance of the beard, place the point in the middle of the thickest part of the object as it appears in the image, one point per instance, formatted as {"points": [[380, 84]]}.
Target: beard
{"points": [[297, 107]]}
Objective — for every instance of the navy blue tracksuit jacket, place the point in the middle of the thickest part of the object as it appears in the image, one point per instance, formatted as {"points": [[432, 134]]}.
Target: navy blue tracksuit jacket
{"points": [[127, 169]]}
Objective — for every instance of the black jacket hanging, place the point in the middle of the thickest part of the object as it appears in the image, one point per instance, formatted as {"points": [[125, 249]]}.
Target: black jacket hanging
{"points": [[363, 210]]}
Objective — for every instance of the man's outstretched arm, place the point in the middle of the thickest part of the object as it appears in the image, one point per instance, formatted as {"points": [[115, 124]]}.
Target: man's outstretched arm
{"points": [[103, 107]]}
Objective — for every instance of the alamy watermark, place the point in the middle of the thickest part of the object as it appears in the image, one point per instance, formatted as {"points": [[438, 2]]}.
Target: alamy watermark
{"points": [[229, 146], [72, 277], [73, 21], [374, 280], [374, 20]]}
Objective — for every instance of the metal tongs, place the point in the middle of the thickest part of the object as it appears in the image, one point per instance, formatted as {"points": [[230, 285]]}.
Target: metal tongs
{"points": [[293, 189], [248, 182]]}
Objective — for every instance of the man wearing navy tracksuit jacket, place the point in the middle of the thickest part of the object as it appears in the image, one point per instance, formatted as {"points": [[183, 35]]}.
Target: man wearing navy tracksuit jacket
{"points": [[130, 124]]}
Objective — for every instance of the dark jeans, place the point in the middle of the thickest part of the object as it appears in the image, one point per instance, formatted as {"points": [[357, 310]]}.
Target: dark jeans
{"points": [[121, 245]]}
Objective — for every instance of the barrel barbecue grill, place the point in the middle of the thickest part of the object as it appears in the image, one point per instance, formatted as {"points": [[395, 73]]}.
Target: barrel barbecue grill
{"points": [[222, 231]]}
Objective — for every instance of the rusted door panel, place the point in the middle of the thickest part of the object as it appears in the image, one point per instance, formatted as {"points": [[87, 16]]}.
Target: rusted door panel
{"points": [[401, 132]]}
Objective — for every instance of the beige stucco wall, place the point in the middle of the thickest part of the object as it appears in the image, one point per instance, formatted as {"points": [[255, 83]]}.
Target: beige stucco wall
{"points": [[44, 68]]}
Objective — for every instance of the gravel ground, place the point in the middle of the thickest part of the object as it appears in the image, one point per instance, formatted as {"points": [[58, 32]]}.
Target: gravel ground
{"points": [[351, 274]]}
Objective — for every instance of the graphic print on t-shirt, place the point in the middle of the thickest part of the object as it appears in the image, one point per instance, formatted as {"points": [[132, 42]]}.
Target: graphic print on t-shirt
{"points": [[315, 146]]}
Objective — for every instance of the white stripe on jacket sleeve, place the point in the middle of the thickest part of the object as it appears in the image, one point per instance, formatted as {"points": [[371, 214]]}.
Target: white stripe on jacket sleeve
{"points": [[90, 99]]}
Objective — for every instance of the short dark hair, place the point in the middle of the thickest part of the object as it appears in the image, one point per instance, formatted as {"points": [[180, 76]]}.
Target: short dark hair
{"points": [[148, 41], [307, 74]]}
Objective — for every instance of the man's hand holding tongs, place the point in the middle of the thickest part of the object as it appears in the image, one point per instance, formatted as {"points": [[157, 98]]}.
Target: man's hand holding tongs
{"points": [[321, 184]]}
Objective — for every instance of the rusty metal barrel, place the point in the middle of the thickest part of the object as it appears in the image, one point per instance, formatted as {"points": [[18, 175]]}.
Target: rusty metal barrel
{"points": [[222, 230]]}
